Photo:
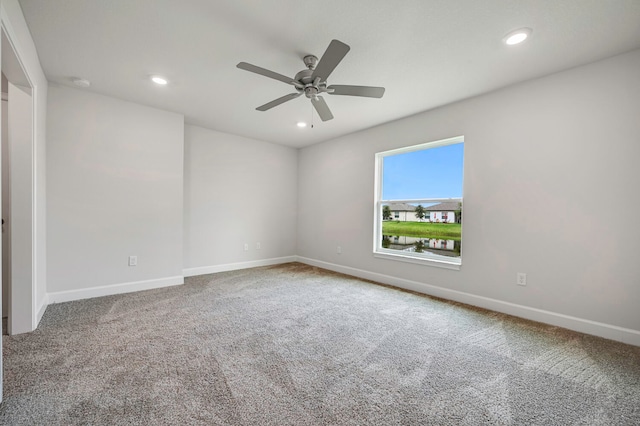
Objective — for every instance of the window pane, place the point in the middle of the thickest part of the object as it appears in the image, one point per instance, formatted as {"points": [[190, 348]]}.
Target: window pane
{"points": [[421, 214], [429, 173]]}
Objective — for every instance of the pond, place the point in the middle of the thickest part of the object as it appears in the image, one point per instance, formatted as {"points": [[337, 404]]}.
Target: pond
{"points": [[450, 248]]}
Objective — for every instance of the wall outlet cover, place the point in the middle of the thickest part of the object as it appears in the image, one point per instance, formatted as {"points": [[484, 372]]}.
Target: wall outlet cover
{"points": [[521, 279]]}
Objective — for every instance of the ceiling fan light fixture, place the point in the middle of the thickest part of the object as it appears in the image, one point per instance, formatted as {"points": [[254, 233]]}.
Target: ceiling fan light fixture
{"points": [[159, 80], [517, 36], [301, 124]]}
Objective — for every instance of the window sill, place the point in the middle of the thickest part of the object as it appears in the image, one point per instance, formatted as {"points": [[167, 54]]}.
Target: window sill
{"points": [[446, 264]]}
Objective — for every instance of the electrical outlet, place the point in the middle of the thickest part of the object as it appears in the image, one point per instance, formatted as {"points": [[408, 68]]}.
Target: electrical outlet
{"points": [[257, 246], [133, 260], [339, 250], [521, 278], [246, 247]]}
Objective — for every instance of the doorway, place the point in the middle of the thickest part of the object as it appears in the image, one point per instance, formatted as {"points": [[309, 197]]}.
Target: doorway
{"points": [[18, 109], [16, 139], [17, 193]]}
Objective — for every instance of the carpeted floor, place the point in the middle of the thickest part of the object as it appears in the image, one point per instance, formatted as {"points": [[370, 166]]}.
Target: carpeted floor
{"points": [[293, 344]]}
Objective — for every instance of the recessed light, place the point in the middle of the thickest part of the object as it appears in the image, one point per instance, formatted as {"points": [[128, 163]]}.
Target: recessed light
{"points": [[159, 80], [301, 124], [81, 82], [517, 36]]}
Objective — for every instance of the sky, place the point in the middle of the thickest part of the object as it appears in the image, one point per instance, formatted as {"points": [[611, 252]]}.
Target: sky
{"points": [[429, 173]]}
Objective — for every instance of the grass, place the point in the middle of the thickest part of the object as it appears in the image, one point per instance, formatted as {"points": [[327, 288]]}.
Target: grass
{"points": [[449, 231]]}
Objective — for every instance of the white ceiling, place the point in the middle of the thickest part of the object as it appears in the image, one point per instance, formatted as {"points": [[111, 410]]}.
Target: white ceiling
{"points": [[426, 53]]}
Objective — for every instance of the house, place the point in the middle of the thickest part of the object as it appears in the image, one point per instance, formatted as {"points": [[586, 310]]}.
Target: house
{"points": [[118, 185], [402, 212], [443, 212]]}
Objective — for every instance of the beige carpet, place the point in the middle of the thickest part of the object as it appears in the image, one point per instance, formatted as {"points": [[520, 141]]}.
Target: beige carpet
{"points": [[292, 344]]}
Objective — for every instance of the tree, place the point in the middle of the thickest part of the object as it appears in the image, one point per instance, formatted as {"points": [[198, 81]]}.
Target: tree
{"points": [[458, 213], [420, 212], [386, 213]]}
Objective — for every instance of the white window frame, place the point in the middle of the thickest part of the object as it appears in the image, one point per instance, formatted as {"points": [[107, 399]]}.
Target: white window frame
{"points": [[429, 259]]}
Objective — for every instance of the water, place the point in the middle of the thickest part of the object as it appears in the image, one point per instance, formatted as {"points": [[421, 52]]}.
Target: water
{"points": [[449, 248]]}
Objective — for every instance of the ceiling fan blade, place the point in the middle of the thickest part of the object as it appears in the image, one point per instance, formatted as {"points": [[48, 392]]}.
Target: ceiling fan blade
{"points": [[278, 101], [366, 91], [331, 58], [262, 71], [322, 108]]}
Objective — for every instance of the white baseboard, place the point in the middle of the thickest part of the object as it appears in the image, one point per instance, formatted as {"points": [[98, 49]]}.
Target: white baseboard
{"points": [[620, 334], [108, 290], [202, 270], [42, 308]]}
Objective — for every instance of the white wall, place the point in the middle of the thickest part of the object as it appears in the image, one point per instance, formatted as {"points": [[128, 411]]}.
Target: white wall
{"points": [[437, 217], [237, 191], [559, 147], [407, 217], [115, 189]]}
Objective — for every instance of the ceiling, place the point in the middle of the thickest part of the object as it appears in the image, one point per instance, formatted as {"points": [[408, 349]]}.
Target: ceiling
{"points": [[426, 53]]}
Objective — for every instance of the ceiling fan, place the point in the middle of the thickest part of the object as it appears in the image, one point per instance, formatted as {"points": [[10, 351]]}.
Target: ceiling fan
{"points": [[313, 81]]}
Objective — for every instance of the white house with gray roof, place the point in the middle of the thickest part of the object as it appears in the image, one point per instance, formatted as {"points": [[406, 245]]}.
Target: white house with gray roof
{"points": [[403, 212], [443, 212]]}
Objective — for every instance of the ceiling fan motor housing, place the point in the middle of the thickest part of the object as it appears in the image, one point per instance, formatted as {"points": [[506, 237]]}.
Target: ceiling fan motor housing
{"points": [[311, 87], [304, 76]]}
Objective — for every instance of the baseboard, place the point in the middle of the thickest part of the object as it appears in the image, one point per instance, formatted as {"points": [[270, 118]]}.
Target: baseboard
{"points": [[620, 334], [190, 272], [42, 308], [108, 290]]}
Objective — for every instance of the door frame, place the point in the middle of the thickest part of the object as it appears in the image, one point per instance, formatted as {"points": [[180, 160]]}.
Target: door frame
{"points": [[12, 61]]}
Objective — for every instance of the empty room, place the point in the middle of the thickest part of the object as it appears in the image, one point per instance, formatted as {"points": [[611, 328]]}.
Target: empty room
{"points": [[320, 213]]}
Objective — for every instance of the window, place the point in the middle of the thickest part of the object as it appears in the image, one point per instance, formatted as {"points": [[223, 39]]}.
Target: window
{"points": [[428, 179]]}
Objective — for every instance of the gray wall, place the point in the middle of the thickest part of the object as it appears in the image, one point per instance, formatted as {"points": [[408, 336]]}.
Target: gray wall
{"points": [[115, 189], [125, 179], [237, 191], [548, 165]]}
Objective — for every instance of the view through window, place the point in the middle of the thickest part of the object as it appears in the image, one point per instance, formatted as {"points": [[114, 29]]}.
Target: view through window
{"points": [[419, 202]]}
